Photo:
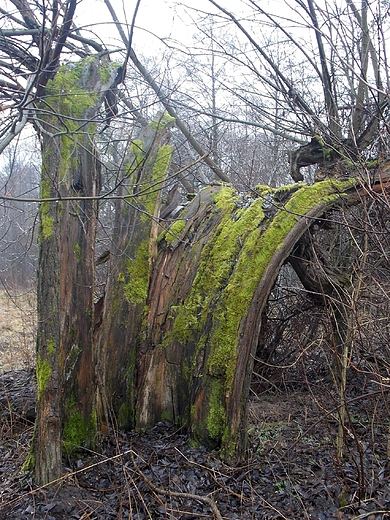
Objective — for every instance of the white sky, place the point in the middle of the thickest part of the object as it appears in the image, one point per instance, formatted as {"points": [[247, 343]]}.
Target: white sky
{"points": [[155, 17]]}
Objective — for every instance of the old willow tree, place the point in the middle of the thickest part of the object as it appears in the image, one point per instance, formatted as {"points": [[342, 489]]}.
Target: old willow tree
{"points": [[183, 316], [70, 184], [174, 335]]}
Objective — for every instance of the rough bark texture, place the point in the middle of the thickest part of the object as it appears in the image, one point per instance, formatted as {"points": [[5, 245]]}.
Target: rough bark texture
{"points": [[121, 335], [182, 310], [65, 372], [216, 267], [325, 155]]}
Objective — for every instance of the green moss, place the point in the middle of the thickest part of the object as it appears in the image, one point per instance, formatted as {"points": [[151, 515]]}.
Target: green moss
{"points": [[186, 318], [29, 463], [139, 154], [68, 99], [69, 102], [67, 94], [319, 139], [264, 190], [137, 270], [254, 258], [78, 433], [105, 71], [46, 219], [219, 261], [137, 275], [47, 222], [167, 415], [231, 267], [158, 164], [77, 251], [161, 123], [174, 231], [161, 163], [225, 199], [151, 188], [43, 371], [51, 346], [216, 418], [123, 415]]}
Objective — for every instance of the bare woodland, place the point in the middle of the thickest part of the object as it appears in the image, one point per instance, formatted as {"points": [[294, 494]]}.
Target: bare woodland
{"points": [[202, 226]]}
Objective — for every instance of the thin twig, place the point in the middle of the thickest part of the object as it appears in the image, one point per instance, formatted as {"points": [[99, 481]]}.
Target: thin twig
{"points": [[209, 500]]}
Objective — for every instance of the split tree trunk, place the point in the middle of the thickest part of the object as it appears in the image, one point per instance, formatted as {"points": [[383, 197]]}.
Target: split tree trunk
{"points": [[70, 168], [184, 352], [121, 335], [182, 309], [207, 294]]}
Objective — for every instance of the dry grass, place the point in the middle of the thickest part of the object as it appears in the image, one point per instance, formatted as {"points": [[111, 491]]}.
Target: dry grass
{"points": [[17, 329]]}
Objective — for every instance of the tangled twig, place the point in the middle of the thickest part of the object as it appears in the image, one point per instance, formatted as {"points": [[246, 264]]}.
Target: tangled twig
{"points": [[209, 500]]}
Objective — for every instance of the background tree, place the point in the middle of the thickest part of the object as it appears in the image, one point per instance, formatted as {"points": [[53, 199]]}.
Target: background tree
{"points": [[19, 180]]}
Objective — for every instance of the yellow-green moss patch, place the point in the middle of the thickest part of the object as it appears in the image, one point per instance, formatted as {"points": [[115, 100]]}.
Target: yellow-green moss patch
{"points": [[43, 371], [160, 124], [174, 231], [231, 267], [77, 432], [137, 275]]}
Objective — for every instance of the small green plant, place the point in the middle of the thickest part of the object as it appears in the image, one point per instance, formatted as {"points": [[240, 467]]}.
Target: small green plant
{"points": [[262, 435], [280, 486]]}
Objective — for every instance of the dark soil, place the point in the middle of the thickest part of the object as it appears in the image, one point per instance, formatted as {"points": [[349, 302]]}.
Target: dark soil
{"points": [[292, 470]]}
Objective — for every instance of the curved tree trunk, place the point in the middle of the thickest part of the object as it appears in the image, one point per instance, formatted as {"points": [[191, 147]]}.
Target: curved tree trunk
{"points": [[215, 270], [214, 273]]}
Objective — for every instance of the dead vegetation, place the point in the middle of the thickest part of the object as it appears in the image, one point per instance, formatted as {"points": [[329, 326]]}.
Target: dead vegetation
{"points": [[292, 470], [17, 329]]}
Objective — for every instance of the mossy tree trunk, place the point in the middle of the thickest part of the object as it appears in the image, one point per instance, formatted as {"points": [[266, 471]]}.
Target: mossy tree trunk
{"points": [[215, 270], [70, 169], [121, 333]]}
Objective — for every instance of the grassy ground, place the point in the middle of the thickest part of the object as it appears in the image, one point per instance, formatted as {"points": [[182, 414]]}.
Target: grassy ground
{"points": [[17, 329]]}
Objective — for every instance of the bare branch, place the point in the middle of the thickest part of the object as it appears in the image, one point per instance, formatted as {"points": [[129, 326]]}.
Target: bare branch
{"points": [[164, 100]]}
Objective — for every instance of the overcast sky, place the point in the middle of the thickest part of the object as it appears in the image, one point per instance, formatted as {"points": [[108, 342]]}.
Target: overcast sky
{"points": [[163, 18], [154, 17]]}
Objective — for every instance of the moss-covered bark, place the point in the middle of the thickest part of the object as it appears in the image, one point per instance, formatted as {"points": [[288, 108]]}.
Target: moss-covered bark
{"points": [[207, 293], [70, 168], [133, 248]]}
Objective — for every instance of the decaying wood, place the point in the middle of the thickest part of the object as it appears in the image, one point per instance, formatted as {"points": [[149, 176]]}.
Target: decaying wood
{"points": [[120, 314], [173, 378], [66, 273], [327, 156]]}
